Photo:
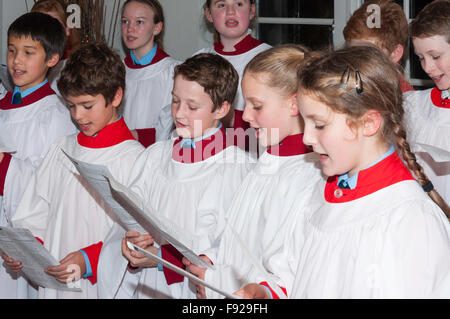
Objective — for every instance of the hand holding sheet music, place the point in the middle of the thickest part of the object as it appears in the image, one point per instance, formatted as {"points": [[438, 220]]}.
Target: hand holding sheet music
{"points": [[20, 244], [132, 211], [181, 271]]}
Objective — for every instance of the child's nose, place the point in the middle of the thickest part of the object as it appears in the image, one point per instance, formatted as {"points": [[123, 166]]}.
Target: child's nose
{"points": [[230, 9], [308, 138], [247, 116], [427, 65]]}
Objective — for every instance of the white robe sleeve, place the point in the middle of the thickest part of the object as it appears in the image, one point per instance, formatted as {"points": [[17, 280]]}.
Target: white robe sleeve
{"points": [[33, 209]]}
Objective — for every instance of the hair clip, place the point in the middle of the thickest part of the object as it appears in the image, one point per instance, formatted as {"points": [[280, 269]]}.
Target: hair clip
{"points": [[358, 82], [343, 85]]}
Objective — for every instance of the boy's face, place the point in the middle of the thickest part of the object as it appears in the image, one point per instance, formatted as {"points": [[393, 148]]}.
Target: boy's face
{"points": [[27, 63], [434, 56], [92, 113], [191, 109]]}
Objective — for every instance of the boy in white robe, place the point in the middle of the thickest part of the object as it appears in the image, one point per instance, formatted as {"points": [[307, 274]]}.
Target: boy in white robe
{"points": [[32, 117], [58, 207], [189, 180], [428, 111]]}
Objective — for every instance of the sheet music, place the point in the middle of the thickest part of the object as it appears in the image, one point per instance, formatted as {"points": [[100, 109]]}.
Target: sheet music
{"points": [[131, 209], [181, 271], [438, 154], [96, 175], [21, 245]]}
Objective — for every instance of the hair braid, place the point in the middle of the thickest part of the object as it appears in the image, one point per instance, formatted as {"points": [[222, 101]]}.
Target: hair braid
{"points": [[411, 162]]}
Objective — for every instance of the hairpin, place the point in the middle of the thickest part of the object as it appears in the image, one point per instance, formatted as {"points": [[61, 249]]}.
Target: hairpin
{"points": [[343, 85], [358, 82]]}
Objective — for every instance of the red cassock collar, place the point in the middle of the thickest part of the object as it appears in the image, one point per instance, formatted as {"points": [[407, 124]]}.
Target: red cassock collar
{"points": [[436, 98], [203, 150], [112, 134], [160, 55], [246, 44], [291, 146], [388, 172], [44, 91]]}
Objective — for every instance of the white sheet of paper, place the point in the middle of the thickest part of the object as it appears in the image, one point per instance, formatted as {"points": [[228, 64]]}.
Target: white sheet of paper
{"points": [[96, 175], [21, 245], [181, 271], [134, 214], [439, 155]]}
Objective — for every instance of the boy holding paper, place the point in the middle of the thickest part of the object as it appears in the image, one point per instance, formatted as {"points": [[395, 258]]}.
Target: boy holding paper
{"points": [[190, 179], [58, 206]]}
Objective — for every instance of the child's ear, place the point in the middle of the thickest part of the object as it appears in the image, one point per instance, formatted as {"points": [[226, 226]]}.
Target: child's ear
{"points": [[208, 15], [222, 110], [158, 28], [252, 11], [372, 121], [293, 106], [117, 97], [397, 54], [54, 59]]}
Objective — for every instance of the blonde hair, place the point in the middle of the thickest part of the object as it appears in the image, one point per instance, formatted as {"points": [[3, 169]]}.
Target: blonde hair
{"points": [[281, 64], [158, 16], [381, 91]]}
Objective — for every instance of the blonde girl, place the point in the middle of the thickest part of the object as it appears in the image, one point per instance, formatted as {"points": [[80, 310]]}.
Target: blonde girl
{"points": [[279, 184]]}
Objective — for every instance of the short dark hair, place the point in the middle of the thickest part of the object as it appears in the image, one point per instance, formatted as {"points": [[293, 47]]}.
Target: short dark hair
{"points": [[93, 69], [48, 31], [216, 75], [434, 19]]}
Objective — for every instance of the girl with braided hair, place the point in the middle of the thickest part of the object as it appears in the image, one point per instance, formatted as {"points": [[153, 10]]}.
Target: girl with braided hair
{"points": [[371, 231]]}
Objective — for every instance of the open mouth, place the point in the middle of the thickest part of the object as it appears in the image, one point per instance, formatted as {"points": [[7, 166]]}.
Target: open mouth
{"points": [[232, 23]]}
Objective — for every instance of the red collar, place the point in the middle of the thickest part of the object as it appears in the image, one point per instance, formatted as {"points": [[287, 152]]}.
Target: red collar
{"points": [[291, 146], [160, 55], [39, 94], [246, 44], [203, 150], [113, 134], [389, 171], [437, 99]]}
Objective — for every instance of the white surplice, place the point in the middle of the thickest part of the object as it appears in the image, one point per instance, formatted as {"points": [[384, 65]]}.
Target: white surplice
{"points": [[148, 97], [58, 208], [429, 124], [278, 187], [194, 196]]}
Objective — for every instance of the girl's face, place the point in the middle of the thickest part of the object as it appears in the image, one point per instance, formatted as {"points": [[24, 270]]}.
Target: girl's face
{"points": [[231, 18], [434, 55], [138, 28], [329, 134], [273, 115]]}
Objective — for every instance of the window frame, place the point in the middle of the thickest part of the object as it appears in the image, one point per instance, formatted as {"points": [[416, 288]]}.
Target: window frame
{"points": [[343, 9]]}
